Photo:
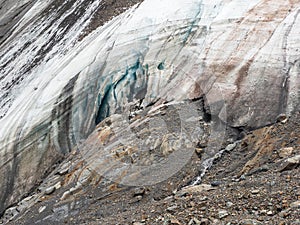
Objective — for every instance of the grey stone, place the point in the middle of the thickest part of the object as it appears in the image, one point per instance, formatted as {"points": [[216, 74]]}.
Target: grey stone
{"points": [[229, 204], [42, 208], [10, 213], [63, 171], [291, 163], [296, 222], [172, 208], [294, 160], [250, 222], [222, 214], [230, 147], [284, 213], [195, 221], [295, 204], [49, 190], [139, 191], [243, 177], [57, 185], [216, 183], [24, 204]]}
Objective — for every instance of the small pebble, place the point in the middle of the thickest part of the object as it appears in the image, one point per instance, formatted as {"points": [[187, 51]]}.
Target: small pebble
{"points": [[216, 183], [42, 208], [49, 190], [230, 147], [256, 191], [172, 208], [223, 214], [229, 204]]}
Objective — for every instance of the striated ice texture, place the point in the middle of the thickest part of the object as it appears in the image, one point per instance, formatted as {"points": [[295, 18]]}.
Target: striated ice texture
{"points": [[58, 79]]}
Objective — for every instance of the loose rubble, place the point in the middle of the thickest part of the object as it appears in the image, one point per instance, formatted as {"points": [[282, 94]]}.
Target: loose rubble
{"points": [[266, 192]]}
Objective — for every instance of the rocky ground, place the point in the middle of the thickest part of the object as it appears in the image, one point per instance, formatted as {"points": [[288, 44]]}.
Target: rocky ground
{"points": [[255, 181]]}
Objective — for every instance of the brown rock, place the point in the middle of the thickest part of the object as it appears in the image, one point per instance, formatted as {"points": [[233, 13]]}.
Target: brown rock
{"points": [[175, 222], [286, 152], [195, 189]]}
